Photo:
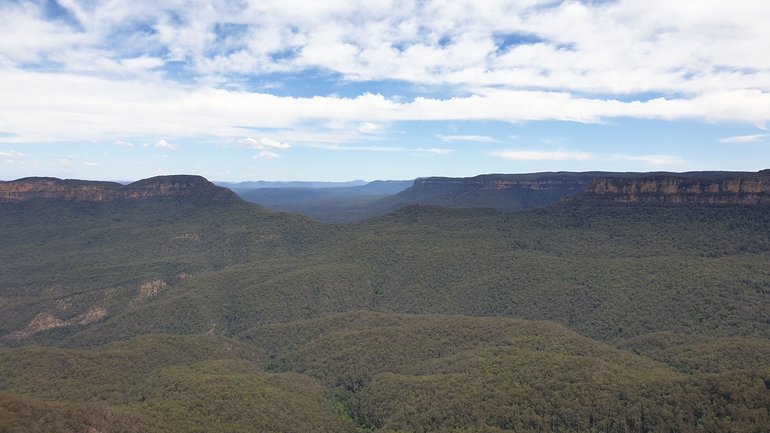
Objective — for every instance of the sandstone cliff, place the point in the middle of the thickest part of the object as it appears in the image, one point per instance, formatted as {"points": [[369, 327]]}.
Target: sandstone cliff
{"points": [[674, 189], [180, 186]]}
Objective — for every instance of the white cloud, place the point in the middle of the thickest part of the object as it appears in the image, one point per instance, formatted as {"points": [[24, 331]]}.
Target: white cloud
{"points": [[29, 37], [619, 47], [543, 155], [755, 138], [142, 62], [124, 143], [37, 107], [369, 128], [163, 144], [471, 138], [91, 164], [263, 143], [511, 60], [436, 150], [266, 154], [12, 154]]}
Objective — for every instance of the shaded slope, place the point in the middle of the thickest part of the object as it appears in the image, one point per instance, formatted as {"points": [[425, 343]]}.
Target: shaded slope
{"points": [[62, 260], [609, 273], [86, 273]]}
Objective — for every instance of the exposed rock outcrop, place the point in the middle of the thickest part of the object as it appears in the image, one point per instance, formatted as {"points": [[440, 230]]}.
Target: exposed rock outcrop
{"points": [[150, 289], [685, 189], [179, 186], [46, 320]]}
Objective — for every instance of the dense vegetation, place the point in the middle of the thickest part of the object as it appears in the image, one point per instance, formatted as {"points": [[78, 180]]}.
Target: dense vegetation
{"points": [[609, 273], [569, 318], [455, 373], [373, 371], [160, 383]]}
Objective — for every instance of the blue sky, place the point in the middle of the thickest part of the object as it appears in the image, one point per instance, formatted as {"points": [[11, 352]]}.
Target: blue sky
{"points": [[317, 90]]}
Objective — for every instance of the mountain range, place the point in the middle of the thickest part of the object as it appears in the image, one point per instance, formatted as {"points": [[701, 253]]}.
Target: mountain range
{"points": [[563, 302], [506, 192]]}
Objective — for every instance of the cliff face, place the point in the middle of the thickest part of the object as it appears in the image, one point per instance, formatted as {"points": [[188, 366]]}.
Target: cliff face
{"points": [[505, 192], [749, 189], [180, 186], [510, 192]]}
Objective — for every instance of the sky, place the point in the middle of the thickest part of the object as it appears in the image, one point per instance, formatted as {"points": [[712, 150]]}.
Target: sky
{"points": [[392, 89]]}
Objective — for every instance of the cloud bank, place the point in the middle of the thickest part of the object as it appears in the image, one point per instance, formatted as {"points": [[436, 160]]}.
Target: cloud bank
{"points": [[82, 70]]}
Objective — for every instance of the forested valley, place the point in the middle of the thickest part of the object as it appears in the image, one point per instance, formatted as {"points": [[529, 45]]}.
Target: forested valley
{"points": [[203, 313]]}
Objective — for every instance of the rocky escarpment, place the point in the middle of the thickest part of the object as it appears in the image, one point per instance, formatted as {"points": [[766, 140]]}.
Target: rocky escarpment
{"points": [[180, 186], [507, 192], [683, 189]]}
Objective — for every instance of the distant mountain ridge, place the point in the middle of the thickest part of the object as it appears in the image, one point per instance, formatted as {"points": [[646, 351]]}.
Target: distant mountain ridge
{"points": [[503, 192], [514, 192], [506, 192], [176, 186], [341, 202], [263, 184], [684, 189]]}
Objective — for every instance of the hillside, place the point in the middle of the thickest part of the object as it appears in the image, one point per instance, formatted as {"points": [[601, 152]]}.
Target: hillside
{"points": [[377, 372], [159, 383], [67, 265], [587, 314], [85, 273], [454, 373]]}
